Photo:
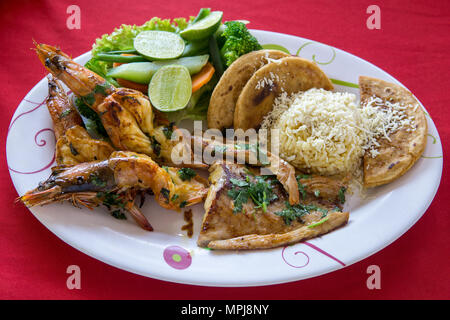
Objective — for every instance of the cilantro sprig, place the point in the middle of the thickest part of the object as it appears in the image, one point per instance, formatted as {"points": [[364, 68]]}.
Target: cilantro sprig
{"points": [[186, 174], [258, 190], [341, 195], [296, 212]]}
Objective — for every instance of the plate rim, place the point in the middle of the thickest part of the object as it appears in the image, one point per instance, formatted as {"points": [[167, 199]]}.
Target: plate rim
{"points": [[185, 280]]}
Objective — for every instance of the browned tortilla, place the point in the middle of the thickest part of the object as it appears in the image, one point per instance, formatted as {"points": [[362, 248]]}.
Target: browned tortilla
{"points": [[405, 148], [290, 74], [225, 94]]}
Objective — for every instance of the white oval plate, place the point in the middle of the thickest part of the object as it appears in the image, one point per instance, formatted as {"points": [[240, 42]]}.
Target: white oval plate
{"points": [[167, 254]]}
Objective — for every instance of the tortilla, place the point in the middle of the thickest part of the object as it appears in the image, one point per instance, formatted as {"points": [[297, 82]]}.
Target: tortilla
{"points": [[405, 148], [290, 75], [225, 94]]}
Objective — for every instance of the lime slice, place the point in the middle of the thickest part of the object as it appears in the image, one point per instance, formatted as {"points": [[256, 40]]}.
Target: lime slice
{"points": [[170, 88], [159, 45], [203, 28]]}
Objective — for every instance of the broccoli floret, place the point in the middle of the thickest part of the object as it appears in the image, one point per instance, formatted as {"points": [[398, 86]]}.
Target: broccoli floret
{"points": [[237, 41]]}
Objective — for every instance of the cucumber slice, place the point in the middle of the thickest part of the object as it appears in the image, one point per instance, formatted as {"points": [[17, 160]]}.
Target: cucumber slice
{"points": [[193, 48], [142, 72], [193, 64], [203, 28], [170, 88], [159, 45]]}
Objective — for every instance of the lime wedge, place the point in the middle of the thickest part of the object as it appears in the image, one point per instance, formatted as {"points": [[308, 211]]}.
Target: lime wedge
{"points": [[203, 28], [159, 45], [170, 88]]}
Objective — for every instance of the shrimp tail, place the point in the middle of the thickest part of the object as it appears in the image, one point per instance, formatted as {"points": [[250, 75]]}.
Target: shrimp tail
{"points": [[85, 199], [140, 219]]}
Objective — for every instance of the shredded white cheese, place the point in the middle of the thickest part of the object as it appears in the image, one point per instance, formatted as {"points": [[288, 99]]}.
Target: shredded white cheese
{"points": [[328, 132], [382, 118], [268, 59], [267, 81]]}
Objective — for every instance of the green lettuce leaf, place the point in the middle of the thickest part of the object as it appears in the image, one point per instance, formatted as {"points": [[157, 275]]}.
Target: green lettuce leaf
{"points": [[101, 68], [122, 38], [91, 120]]}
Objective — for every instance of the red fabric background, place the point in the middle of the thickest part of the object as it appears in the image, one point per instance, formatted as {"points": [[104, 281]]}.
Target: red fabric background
{"points": [[413, 45]]}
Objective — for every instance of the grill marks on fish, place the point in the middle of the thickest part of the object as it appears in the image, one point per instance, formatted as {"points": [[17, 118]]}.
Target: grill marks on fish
{"points": [[221, 227]]}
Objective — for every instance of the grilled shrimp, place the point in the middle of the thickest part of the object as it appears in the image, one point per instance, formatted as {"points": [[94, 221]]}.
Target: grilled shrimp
{"points": [[63, 113], [126, 114], [114, 182], [74, 144], [83, 82]]}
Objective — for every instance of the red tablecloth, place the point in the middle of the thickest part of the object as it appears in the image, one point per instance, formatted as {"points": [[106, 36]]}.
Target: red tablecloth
{"points": [[413, 45]]}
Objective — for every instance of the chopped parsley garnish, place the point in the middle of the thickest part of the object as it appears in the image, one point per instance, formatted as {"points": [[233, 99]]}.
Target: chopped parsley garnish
{"points": [[156, 146], [96, 181], [183, 204], [91, 119], [166, 194], [65, 113], [186, 174], [296, 212], [88, 99], [168, 131], [102, 88], [318, 223], [174, 197], [341, 195], [110, 199], [301, 188], [118, 215], [238, 182], [317, 193], [259, 191], [240, 196]]}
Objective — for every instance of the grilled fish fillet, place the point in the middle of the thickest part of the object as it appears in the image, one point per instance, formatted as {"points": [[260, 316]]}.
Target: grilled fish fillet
{"points": [[252, 228]]}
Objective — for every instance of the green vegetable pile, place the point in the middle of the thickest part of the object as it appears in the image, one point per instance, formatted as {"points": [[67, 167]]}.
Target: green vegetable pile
{"points": [[236, 41], [198, 40]]}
